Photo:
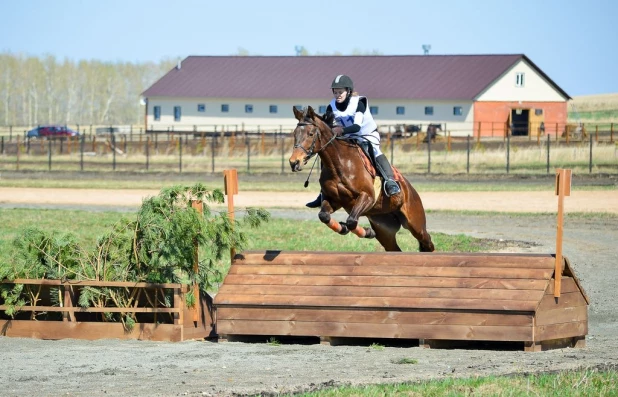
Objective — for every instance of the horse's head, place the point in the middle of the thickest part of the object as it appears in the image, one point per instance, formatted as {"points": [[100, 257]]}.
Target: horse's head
{"points": [[311, 135]]}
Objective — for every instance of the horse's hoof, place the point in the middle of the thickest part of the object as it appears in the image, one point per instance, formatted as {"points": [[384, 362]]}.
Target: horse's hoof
{"points": [[344, 229], [351, 224], [324, 217], [369, 233]]}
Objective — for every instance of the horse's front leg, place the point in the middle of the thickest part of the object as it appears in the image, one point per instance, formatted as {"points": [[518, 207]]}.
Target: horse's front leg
{"points": [[362, 205], [325, 211]]}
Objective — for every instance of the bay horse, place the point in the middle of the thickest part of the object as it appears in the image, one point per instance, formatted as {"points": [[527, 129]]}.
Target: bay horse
{"points": [[348, 183]]}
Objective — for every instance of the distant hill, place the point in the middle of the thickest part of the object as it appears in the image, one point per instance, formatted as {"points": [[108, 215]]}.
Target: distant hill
{"points": [[602, 108]]}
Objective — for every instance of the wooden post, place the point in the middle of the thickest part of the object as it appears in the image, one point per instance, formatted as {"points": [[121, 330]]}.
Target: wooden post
{"points": [[199, 207], [611, 133], [563, 188], [231, 188], [17, 146]]}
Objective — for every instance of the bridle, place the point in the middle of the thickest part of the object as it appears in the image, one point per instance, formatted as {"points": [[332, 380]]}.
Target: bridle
{"points": [[310, 153]]}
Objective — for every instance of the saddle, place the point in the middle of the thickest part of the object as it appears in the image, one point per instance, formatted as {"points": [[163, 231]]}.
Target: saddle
{"points": [[370, 166]]}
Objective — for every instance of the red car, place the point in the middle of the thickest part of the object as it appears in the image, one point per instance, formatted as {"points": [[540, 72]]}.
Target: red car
{"points": [[52, 131]]}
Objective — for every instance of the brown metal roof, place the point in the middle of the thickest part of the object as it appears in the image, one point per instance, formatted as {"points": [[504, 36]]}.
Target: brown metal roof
{"points": [[448, 77]]}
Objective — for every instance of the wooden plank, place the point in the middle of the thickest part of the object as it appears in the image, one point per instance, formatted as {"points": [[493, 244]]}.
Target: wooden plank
{"points": [[91, 283], [359, 330], [394, 281], [408, 292], [567, 285], [562, 315], [95, 309], [326, 258], [569, 299], [343, 270], [557, 331], [382, 302], [89, 330], [374, 316]]}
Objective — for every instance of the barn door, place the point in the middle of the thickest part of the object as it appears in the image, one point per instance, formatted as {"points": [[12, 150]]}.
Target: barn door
{"points": [[537, 121], [519, 121]]}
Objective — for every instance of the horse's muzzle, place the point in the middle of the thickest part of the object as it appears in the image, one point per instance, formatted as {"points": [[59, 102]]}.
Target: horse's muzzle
{"points": [[296, 165]]}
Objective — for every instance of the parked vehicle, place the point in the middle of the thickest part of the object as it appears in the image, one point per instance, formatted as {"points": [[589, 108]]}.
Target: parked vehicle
{"points": [[51, 131]]}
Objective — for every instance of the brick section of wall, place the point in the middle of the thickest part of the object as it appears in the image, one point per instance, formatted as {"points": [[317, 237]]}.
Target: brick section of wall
{"points": [[491, 117]]}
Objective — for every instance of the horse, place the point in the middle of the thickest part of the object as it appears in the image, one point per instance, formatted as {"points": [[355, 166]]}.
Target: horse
{"points": [[347, 182], [432, 132]]}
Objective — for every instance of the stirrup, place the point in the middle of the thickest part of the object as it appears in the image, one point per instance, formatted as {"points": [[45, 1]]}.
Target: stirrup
{"points": [[391, 188], [317, 203]]}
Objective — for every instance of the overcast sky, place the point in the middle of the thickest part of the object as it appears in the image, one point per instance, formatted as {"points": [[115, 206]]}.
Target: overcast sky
{"points": [[574, 42]]}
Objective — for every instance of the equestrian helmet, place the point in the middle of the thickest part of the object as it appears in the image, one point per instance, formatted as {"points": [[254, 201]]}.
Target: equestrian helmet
{"points": [[342, 81]]}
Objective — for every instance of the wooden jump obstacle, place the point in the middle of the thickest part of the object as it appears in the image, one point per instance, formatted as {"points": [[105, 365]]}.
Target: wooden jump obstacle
{"points": [[436, 298], [430, 297]]}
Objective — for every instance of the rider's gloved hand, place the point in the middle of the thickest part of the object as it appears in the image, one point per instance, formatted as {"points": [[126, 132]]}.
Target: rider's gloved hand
{"points": [[338, 130]]}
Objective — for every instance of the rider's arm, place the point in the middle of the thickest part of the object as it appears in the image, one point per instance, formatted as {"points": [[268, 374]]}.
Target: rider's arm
{"points": [[358, 119]]}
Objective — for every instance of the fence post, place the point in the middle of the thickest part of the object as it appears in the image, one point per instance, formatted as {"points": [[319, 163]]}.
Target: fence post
{"points": [[548, 144], [81, 151], [392, 142], [590, 158], [468, 155], [611, 133], [180, 154], [16, 165], [147, 152], [282, 149], [428, 152], [2, 145], [49, 155], [113, 136], [248, 143], [508, 153], [212, 151]]}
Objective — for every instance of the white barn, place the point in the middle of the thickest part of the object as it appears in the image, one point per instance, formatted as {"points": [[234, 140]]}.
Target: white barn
{"points": [[466, 94]]}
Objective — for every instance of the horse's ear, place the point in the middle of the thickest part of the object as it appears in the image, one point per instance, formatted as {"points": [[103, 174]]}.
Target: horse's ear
{"points": [[297, 113], [310, 112], [328, 118]]}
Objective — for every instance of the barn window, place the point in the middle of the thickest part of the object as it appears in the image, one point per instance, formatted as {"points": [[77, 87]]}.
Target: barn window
{"points": [[538, 112], [225, 108], [373, 109], [428, 110], [157, 113], [457, 111], [248, 108], [401, 110], [322, 109], [273, 108], [299, 107], [519, 79], [201, 107], [177, 113]]}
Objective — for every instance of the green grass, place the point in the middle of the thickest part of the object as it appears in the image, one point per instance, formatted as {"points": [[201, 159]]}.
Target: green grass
{"points": [[588, 382]]}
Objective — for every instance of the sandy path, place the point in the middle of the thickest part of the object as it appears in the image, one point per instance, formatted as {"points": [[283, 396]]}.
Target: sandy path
{"points": [[534, 201]]}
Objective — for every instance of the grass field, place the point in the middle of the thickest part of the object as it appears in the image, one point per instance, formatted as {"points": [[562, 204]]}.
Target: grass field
{"points": [[594, 108]]}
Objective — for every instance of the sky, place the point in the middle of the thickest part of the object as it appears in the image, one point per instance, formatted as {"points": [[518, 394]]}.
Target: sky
{"points": [[574, 42]]}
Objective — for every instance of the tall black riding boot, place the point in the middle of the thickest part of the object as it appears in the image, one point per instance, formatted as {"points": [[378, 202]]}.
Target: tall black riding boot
{"points": [[390, 185], [317, 203]]}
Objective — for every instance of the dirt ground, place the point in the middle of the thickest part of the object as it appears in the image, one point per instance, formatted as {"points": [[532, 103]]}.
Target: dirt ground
{"points": [[130, 368]]}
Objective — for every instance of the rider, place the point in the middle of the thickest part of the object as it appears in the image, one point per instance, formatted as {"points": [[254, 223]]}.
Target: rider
{"points": [[353, 119]]}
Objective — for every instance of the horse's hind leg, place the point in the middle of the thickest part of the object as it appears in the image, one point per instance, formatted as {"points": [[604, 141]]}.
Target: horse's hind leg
{"points": [[412, 217], [386, 228], [415, 222]]}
